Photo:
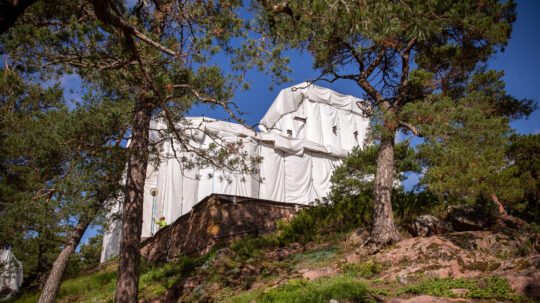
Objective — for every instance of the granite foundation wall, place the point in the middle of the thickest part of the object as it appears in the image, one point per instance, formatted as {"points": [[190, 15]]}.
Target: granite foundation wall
{"points": [[216, 219]]}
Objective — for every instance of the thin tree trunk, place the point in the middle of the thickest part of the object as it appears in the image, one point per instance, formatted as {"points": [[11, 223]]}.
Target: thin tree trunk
{"points": [[383, 230], [52, 286], [129, 256], [498, 205]]}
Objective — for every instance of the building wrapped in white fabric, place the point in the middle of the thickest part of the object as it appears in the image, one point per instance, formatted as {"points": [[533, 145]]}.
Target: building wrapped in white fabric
{"points": [[11, 274], [303, 137]]}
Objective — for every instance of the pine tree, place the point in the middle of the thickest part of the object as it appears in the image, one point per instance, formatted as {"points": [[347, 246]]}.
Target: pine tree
{"points": [[523, 156], [158, 57], [399, 53], [30, 163], [353, 179], [466, 140], [57, 173]]}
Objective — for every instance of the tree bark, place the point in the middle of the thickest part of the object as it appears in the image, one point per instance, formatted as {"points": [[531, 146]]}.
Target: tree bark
{"points": [[498, 205], [52, 285], [129, 256], [383, 230]]}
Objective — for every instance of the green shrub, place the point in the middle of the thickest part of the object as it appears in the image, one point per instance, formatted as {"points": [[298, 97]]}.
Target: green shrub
{"points": [[486, 288], [341, 288], [380, 292], [163, 272], [350, 201], [365, 270], [326, 218], [251, 246]]}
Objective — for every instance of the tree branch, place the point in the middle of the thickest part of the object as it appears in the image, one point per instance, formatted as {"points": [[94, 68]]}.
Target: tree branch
{"points": [[411, 127], [405, 65], [210, 100], [356, 56], [100, 8], [366, 73], [371, 91]]}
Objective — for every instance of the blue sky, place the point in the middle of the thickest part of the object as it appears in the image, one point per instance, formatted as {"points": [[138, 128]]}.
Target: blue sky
{"points": [[520, 62]]}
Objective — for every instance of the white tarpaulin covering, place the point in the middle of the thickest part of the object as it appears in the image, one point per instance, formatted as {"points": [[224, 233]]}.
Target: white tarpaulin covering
{"points": [[11, 276], [319, 115], [304, 134], [111, 236]]}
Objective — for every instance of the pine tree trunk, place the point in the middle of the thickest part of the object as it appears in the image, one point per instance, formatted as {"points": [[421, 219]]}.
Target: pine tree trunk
{"points": [[498, 205], [129, 256], [383, 230], [52, 286]]}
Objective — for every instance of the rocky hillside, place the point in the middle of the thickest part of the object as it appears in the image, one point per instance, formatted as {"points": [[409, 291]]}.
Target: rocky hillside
{"points": [[499, 263], [466, 266]]}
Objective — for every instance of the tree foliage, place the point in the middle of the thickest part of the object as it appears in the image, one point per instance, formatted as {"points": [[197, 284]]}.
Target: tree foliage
{"points": [[465, 137], [356, 172], [157, 59], [52, 169], [403, 54], [523, 156], [88, 256]]}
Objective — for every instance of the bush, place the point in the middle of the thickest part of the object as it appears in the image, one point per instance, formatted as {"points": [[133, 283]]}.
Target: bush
{"points": [[366, 270], [326, 218], [486, 288], [164, 272], [349, 204], [341, 288]]}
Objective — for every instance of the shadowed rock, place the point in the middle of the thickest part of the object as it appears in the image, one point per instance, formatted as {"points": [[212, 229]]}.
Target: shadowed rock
{"points": [[427, 225], [465, 218]]}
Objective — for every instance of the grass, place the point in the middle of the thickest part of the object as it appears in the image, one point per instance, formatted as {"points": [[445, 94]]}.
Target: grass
{"points": [[230, 274], [24, 298], [343, 288], [317, 257], [379, 292], [154, 280], [91, 288], [486, 288], [152, 272], [365, 270]]}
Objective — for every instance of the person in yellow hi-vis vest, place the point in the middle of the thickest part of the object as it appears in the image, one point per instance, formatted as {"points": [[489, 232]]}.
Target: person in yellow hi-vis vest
{"points": [[161, 222]]}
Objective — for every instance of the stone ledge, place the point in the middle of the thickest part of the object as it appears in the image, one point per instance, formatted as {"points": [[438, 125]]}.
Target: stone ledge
{"points": [[216, 219]]}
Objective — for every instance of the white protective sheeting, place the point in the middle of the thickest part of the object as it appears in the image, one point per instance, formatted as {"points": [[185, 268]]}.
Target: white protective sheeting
{"points": [[298, 178], [319, 115], [292, 146], [11, 276], [272, 171], [296, 167], [322, 168], [111, 235], [150, 206]]}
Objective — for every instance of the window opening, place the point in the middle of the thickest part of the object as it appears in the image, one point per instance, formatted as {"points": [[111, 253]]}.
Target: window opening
{"points": [[300, 119]]}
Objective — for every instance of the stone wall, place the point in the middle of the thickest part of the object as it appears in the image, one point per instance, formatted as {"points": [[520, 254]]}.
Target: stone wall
{"points": [[216, 219]]}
